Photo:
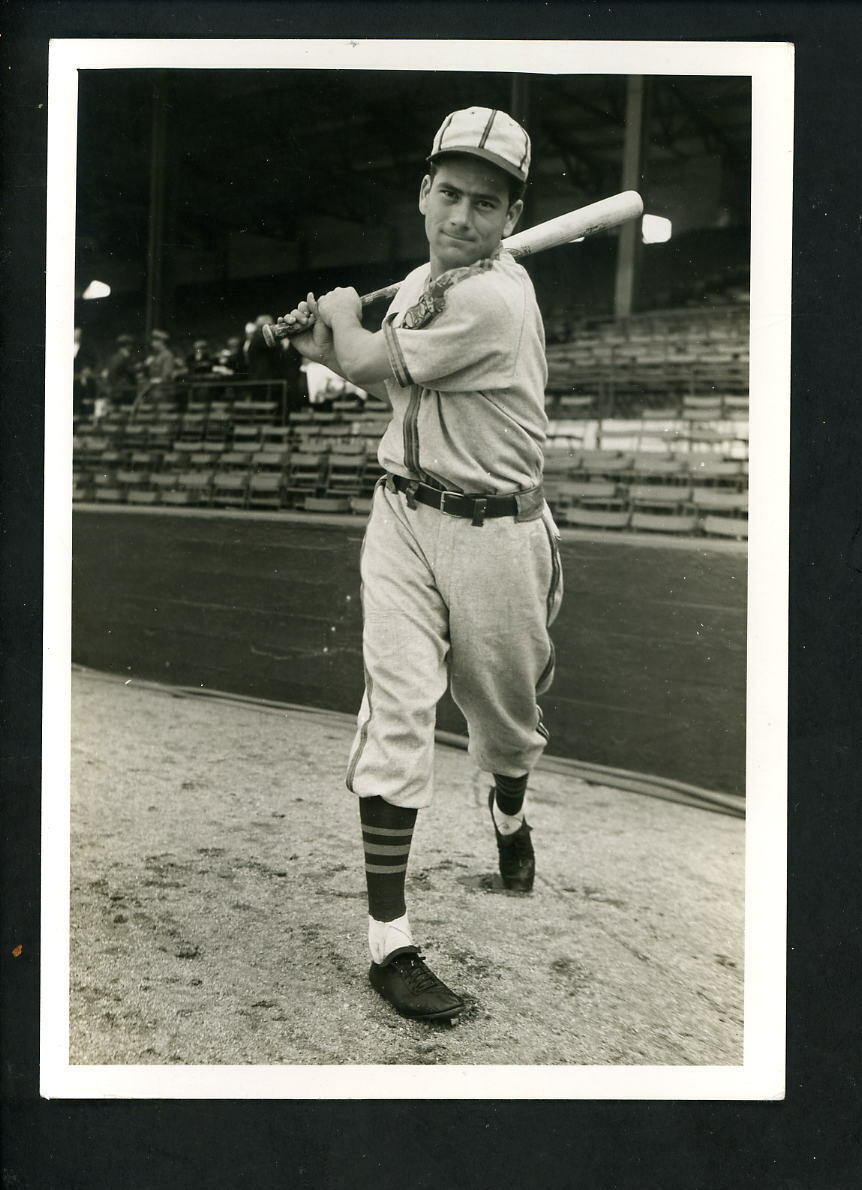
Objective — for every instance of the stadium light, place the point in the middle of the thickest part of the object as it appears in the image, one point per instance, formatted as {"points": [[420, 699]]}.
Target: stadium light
{"points": [[655, 229], [96, 289]]}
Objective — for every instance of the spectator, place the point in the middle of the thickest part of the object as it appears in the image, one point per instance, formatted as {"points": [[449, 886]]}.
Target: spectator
{"points": [[264, 363], [119, 376], [199, 362], [236, 358], [160, 367], [222, 365]]}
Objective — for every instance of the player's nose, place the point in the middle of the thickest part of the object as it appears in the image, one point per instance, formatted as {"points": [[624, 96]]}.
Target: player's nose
{"points": [[459, 214]]}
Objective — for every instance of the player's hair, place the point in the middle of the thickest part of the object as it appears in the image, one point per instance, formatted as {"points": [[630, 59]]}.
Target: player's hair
{"points": [[516, 187]]}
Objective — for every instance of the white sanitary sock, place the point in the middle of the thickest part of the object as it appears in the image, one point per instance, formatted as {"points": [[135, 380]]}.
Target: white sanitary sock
{"points": [[386, 936], [508, 824]]}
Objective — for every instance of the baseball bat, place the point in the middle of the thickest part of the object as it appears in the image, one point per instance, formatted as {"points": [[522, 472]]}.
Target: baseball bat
{"points": [[584, 221]]}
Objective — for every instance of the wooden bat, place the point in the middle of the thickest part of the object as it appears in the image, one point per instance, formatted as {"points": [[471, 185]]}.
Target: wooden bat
{"points": [[585, 221]]}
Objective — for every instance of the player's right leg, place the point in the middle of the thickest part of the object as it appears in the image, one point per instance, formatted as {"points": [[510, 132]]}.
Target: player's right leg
{"points": [[405, 644]]}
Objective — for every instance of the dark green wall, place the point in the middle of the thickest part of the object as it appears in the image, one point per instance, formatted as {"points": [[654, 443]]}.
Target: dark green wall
{"points": [[650, 642]]}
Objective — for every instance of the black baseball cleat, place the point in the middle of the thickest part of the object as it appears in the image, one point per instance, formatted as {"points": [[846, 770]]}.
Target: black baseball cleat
{"points": [[517, 859], [406, 982]]}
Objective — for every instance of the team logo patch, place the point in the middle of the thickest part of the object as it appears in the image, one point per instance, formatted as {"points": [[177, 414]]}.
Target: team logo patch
{"points": [[433, 298]]}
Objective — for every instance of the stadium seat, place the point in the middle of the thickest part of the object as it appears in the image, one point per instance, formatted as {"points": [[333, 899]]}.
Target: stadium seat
{"points": [[603, 463], [134, 436], [304, 474], [571, 405], [326, 504], [196, 485], [245, 437], [586, 491], [716, 500], [658, 495], [273, 459], [236, 460], [344, 474], [663, 522], [656, 464], [361, 505], [229, 488], [141, 496], [110, 493], [725, 526], [163, 482], [265, 490], [595, 518], [706, 468], [275, 436]]}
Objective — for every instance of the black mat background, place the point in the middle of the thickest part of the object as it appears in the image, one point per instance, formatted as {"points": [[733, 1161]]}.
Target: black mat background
{"points": [[809, 1141]]}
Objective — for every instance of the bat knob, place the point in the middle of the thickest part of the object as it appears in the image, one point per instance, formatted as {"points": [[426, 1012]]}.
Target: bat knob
{"points": [[269, 335]]}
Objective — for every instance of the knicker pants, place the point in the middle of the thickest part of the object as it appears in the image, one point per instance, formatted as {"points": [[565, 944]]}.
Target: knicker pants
{"points": [[442, 600]]}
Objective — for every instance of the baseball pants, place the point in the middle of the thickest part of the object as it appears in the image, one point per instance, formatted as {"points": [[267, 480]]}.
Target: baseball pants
{"points": [[446, 600]]}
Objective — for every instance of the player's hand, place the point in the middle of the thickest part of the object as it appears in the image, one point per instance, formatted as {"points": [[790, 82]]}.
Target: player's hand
{"points": [[311, 337], [344, 300]]}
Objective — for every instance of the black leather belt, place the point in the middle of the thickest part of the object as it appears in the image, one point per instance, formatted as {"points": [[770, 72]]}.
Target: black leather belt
{"points": [[475, 508]]}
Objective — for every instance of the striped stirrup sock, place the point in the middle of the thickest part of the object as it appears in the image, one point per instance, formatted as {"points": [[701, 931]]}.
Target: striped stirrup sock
{"points": [[387, 832]]}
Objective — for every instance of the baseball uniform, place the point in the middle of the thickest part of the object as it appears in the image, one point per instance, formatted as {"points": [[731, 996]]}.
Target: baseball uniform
{"points": [[446, 597]]}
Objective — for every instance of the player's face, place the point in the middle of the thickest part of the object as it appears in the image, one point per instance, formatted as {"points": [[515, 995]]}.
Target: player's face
{"points": [[467, 212]]}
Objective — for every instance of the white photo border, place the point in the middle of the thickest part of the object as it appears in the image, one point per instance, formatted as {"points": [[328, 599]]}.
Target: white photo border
{"points": [[770, 65]]}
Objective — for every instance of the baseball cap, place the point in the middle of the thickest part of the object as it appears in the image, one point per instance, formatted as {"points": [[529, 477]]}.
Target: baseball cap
{"points": [[487, 133], [162, 335]]}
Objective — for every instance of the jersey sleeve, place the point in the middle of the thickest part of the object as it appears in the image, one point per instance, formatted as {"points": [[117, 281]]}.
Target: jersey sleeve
{"points": [[470, 345]]}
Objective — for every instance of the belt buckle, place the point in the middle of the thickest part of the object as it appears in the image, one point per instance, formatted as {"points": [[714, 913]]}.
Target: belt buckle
{"points": [[443, 496]]}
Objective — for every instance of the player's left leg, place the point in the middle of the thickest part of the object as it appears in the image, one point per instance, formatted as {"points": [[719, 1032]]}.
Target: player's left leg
{"points": [[506, 590]]}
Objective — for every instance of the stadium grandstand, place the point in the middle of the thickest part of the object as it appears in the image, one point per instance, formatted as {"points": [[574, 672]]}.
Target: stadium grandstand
{"points": [[220, 205]]}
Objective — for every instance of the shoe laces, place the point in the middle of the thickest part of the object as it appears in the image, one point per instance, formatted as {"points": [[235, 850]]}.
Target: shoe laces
{"points": [[416, 974]]}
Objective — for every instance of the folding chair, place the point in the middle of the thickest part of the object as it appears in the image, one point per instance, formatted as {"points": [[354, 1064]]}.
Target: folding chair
{"points": [[658, 495], [236, 460], [344, 474], [705, 469], [716, 500], [304, 475], [197, 485], [326, 504], [275, 436], [725, 526], [274, 459], [265, 490], [582, 517], [663, 522], [245, 437], [229, 488], [361, 505]]}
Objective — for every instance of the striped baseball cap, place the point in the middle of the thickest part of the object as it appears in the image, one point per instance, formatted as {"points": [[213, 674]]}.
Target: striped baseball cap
{"points": [[487, 133]]}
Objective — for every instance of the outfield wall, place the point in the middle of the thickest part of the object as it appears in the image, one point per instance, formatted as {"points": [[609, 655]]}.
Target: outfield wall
{"points": [[651, 639]]}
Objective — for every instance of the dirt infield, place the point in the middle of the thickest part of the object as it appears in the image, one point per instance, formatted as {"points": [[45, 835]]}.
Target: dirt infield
{"points": [[218, 911]]}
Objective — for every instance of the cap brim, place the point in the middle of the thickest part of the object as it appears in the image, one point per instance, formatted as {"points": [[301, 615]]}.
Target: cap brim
{"points": [[485, 155]]}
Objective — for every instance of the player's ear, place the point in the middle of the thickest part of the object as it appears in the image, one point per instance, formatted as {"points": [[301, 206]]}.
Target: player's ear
{"points": [[514, 214], [424, 191]]}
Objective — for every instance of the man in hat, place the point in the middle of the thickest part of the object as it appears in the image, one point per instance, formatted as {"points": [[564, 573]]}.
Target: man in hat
{"points": [[119, 376], [160, 365], [460, 567]]}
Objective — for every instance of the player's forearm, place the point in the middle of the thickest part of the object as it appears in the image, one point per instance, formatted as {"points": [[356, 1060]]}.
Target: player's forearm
{"points": [[362, 353]]}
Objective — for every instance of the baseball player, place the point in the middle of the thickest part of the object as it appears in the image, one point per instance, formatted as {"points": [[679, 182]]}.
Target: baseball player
{"points": [[460, 567]]}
